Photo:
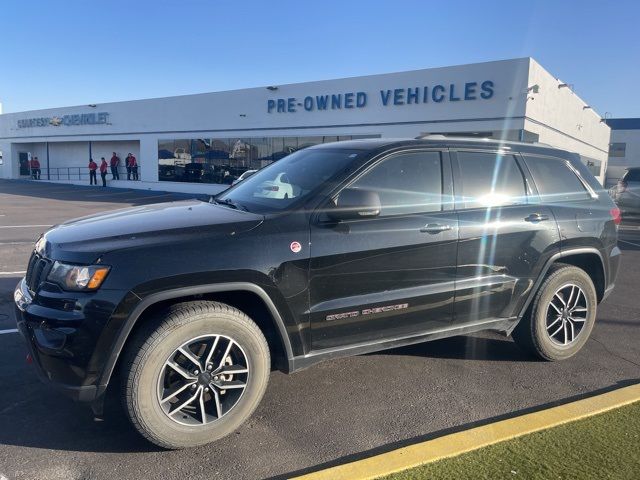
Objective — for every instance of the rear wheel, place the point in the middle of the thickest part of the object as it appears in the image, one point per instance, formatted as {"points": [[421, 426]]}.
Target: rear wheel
{"points": [[195, 375], [562, 315]]}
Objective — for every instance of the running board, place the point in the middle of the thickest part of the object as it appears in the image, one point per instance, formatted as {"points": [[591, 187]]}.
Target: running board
{"points": [[304, 361]]}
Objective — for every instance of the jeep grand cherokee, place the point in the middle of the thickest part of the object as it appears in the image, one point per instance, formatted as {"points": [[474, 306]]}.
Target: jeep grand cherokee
{"points": [[377, 244]]}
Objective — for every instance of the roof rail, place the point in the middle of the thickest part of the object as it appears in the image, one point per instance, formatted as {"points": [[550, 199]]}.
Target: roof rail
{"points": [[542, 144], [438, 136], [460, 138]]}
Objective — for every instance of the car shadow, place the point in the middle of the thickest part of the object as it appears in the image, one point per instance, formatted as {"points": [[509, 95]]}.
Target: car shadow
{"points": [[61, 424], [7, 285], [7, 317], [58, 423], [33, 414], [465, 348], [447, 431]]}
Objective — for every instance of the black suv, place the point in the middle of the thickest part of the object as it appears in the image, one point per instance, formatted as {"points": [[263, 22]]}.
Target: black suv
{"points": [[335, 250]]}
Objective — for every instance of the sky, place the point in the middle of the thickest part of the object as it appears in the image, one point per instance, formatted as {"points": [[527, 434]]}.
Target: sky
{"points": [[69, 52]]}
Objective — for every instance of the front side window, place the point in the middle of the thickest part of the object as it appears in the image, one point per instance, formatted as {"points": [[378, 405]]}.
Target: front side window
{"points": [[406, 183], [490, 179], [555, 180]]}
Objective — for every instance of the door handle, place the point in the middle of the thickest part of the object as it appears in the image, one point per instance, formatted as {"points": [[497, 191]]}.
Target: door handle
{"points": [[536, 217], [435, 228]]}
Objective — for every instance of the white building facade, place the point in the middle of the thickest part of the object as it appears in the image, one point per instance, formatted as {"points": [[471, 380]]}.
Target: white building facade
{"points": [[624, 150], [200, 143]]}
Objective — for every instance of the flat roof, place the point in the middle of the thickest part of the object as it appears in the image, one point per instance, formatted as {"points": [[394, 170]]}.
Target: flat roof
{"points": [[623, 123], [276, 86]]}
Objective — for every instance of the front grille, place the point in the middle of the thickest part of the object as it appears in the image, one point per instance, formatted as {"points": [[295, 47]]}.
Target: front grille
{"points": [[37, 271]]}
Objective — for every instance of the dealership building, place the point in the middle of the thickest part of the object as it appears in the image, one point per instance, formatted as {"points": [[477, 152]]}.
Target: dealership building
{"points": [[201, 143], [624, 150]]}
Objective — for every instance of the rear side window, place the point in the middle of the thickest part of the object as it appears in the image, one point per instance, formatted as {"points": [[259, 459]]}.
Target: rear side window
{"points": [[490, 179], [406, 183], [555, 180], [632, 176]]}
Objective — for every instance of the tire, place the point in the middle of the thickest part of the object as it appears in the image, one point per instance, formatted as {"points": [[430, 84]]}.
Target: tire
{"points": [[534, 332], [149, 382]]}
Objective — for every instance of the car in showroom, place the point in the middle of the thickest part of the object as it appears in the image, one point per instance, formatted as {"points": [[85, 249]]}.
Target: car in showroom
{"points": [[184, 308]]}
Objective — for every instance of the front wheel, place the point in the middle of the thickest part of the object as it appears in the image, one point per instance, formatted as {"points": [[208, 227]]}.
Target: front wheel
{"points": [[562, 315], [194, 375]]}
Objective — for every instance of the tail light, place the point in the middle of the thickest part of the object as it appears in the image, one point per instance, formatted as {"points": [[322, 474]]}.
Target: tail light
{"points": [[616, 215], [622, 186]]}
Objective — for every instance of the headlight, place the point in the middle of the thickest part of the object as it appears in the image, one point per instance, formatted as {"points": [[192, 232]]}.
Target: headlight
{"points": [[78, 277]]}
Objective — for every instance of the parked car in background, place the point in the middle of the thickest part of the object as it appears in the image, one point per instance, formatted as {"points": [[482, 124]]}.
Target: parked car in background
{"points": [[279, 187], [167, 172], [626, 193], [198, 172]]}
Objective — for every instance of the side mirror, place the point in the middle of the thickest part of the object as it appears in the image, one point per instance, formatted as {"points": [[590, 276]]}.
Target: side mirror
{"points": [[354, 203]]}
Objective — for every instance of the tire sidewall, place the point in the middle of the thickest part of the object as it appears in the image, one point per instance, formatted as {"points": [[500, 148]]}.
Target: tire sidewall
{"points": [[157, 424], [544, 344]]}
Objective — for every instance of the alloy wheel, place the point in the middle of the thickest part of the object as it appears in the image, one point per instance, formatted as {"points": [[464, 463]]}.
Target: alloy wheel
{"points": [[567, 314], [202, 380]]}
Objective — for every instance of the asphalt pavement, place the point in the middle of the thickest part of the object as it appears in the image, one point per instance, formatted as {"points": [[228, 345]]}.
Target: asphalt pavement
{"points": [[333, 412]]}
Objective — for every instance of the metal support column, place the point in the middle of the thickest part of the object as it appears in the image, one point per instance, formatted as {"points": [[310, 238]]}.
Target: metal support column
{"points": [[48, 171]]}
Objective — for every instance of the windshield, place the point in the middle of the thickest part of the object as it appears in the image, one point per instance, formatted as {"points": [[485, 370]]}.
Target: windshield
{"points": [[289, 180]]}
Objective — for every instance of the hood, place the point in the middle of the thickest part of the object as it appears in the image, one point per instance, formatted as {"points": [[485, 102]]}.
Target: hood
{"points": [[84, 239]]}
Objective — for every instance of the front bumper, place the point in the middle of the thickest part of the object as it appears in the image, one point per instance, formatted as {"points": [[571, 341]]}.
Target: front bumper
{"points": [[61, 342]]}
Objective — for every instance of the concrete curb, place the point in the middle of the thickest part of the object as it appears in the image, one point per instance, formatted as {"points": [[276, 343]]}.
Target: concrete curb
{"points": [[475, 438]]}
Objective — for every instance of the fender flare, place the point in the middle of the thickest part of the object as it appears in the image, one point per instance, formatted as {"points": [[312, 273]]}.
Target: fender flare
{"points": [[154, 298], [555, 257]]}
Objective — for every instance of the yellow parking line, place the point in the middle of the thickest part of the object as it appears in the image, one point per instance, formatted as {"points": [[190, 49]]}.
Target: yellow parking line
{"points": [[474, 438]]}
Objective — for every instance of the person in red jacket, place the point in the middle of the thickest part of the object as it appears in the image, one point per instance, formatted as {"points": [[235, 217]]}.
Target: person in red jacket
{"points": [[93, 166], [133, 163], [115, 163], [103, 171], [126, 164], [35, 168]]}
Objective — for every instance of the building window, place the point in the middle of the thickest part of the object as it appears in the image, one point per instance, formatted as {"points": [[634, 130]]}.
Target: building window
{"points": [[223, 160], [617, 149], [593, 165]]}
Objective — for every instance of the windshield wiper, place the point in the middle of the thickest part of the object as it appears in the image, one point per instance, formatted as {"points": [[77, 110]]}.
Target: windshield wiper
{"points": [[229, 203]]}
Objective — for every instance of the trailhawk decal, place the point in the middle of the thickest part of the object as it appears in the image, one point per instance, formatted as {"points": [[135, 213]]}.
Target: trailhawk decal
{"points": [[366, 311]]}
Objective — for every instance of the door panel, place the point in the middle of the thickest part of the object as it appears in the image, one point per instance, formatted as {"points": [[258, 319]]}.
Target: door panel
{"points": [[505, 234], [393, 275], [500, 255], [381, 278], [579, 215]]}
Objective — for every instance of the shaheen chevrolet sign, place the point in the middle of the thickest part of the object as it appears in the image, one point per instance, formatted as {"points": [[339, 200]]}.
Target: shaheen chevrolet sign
{"points": [[101, 118]]}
